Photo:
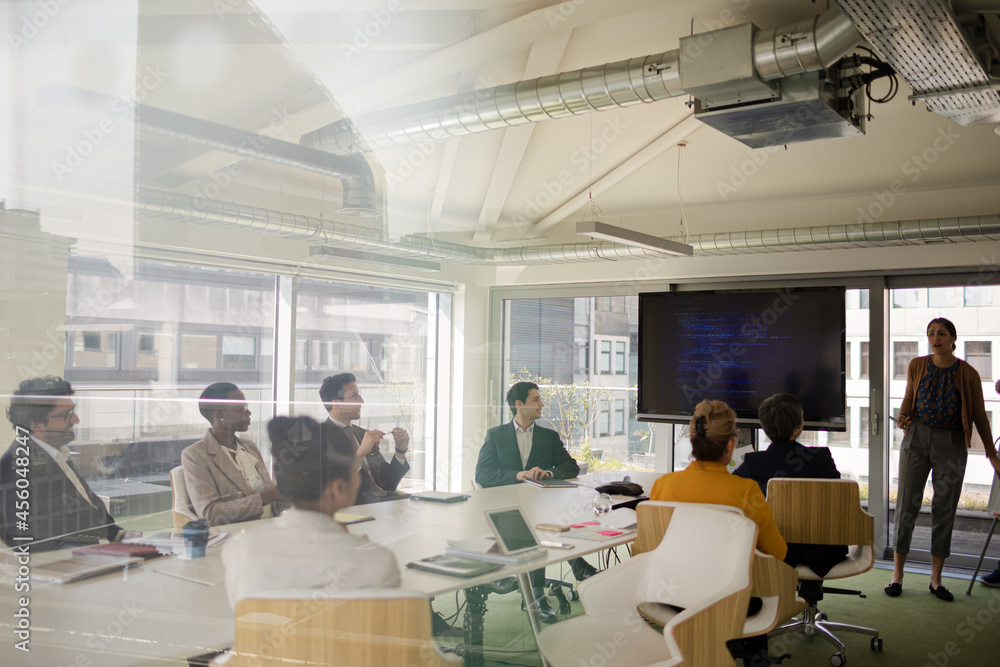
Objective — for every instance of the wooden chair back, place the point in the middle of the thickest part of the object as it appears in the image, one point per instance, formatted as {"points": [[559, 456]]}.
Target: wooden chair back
{"points": [[367, 631], [820, 511], [180, 503]]}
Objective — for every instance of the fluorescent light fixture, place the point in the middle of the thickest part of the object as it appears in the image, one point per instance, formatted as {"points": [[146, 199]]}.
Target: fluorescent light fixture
{"points": [[605, 232], [324, 252]]}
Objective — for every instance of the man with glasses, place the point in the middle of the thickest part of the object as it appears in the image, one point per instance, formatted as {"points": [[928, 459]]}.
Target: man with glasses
{"points": [[43, 499]]}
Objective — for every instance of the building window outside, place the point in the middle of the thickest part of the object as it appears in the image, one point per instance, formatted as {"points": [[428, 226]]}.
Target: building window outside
{"points": [[864, 360], [979, 355], [863, 427], [604, 358], [847, 359], [902, 353], [841, 438], [199, 351], [978, 296], [621, 358], [905, 298], [95, 349], [944, 297], [604, 423], [863, 299], [155, 350], [239, 353], [619, 416]]}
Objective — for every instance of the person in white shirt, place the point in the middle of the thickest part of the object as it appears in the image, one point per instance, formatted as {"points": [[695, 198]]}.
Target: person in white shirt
{"points": [[44, 500], [305, 550]]}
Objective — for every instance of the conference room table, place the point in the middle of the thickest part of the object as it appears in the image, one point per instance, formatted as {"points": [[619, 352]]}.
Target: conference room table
{"points": [[169, 609]]}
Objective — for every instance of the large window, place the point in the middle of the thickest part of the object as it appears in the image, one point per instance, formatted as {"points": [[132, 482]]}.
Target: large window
{"points": [[593, 411], [902, 353], [979, 354]]}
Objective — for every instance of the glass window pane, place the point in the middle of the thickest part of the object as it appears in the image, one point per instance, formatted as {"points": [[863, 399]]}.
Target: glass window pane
{"points": [[620, 357], [903, 352], [605, 361], [155, 350], [978, 295], [906, 298], [864, 360], [239, 352], [980, 356], [95, 349], [199, 351], [944, 297]]}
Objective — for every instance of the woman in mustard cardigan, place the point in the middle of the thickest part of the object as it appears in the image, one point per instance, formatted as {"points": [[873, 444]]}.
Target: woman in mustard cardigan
{"points": [[706, 480], [942, 405]]}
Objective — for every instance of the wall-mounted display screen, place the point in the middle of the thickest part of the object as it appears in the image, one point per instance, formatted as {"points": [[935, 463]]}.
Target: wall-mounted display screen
{"points": [[741, 347]]}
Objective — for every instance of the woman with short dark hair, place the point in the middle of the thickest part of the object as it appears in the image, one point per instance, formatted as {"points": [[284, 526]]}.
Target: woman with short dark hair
{"points": [[942, 406], [225, 475]]}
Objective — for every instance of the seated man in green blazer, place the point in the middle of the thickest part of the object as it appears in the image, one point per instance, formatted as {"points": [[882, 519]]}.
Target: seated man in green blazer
{"points": [[520, 450]]}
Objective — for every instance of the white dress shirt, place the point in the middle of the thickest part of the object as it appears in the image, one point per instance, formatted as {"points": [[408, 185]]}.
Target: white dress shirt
{"points": [[61, 457], [304, 552], [524, 441]]}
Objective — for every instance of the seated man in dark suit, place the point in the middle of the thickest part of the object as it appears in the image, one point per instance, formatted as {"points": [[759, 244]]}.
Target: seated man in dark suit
{"points": [[55, 508], [520, 450], [781, 418], [379, 478]]}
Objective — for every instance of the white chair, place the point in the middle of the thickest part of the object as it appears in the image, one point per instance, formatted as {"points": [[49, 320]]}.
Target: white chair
{"points": [[774, 582], [701, 568], [180, 508], [373, 628]]}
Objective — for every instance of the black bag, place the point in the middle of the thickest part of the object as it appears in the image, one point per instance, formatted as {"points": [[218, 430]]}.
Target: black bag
{"points": [[621, 489]]}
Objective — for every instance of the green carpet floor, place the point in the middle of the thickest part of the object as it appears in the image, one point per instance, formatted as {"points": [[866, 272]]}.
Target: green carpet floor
{"points": [[918, 630]]}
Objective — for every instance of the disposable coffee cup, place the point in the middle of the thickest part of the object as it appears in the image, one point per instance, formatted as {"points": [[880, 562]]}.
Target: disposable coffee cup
{"points": [[195, 538]]}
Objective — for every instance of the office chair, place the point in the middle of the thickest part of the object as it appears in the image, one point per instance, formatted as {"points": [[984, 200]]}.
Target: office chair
{"points": [[701, 569], [376, 628], [774, 582], [824, 511], [180, 507]]}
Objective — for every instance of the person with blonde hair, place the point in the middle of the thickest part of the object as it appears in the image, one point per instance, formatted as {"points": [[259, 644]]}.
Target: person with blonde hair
{"points": [[706, 480]]}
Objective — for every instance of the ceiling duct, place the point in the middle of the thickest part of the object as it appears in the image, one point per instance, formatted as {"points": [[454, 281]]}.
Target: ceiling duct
{"points": [[353, 171], [763, 56], [924, 43], [339, 234]]}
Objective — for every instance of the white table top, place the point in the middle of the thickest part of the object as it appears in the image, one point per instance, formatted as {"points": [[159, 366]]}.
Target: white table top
{"points": [[144, 617]]}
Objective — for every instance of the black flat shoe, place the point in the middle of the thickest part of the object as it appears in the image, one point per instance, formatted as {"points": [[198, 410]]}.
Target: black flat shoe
{"points": [[893, 590], [942, 593]]}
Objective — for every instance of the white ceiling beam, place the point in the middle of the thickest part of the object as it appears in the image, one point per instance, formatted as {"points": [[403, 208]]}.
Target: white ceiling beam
{"points": [[657, 147], [467, 82], [543, 60]]}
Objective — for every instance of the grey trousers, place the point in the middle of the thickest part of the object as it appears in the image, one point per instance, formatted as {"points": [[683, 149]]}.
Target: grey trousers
{"points": [[923, 450]]}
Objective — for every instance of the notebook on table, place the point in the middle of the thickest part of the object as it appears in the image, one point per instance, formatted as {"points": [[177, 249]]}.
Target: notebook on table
{"points": [[551, 483], [69, 570], [439, 497], [454, 566]]}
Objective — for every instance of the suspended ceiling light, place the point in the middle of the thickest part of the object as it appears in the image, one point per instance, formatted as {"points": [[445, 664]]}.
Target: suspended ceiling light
{"points": [[605, 232]]}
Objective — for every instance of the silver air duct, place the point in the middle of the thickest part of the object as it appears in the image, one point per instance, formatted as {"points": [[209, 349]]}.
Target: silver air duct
{"points": [[339, 234], [805, 46]]}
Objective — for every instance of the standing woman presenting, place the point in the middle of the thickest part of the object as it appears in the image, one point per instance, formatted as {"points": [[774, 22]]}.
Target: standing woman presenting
{"points": [[942, 405]]}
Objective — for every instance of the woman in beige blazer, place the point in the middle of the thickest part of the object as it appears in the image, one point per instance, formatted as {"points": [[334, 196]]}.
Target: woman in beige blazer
{"points": [[225, 476]]}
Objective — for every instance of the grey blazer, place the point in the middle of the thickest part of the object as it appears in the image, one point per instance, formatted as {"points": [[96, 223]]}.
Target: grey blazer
{"points": [[218, 491]]}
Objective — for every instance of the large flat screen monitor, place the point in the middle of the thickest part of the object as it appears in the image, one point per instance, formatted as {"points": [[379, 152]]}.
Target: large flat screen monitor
{"points": [[741, 347]]}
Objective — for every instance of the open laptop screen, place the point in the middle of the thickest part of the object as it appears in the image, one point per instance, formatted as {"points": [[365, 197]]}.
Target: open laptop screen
{"points": [[513, 533]]}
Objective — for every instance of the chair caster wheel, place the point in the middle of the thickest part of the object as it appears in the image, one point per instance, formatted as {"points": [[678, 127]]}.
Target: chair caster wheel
{"points": [[574, 595], [876, 643], [838, 660], [820, 616]]}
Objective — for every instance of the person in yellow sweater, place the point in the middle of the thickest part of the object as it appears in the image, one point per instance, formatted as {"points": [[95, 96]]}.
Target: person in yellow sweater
{"points": [[706, 480]]}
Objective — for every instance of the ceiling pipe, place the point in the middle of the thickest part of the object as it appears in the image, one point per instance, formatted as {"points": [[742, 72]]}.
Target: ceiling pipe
{"points": [[335, 233], [805, 46]]}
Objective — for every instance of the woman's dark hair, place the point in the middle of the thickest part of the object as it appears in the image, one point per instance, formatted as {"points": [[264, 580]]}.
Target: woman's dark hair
{"points": [[303, 463], [947, 325], [712, 427], [779, 416], [519, 392], [213, 398], [35, 398]]}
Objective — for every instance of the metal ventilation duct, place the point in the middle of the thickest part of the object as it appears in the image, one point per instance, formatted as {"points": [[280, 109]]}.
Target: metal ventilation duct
{"points": [[800, 47], [925, 45], [339, 234]]}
